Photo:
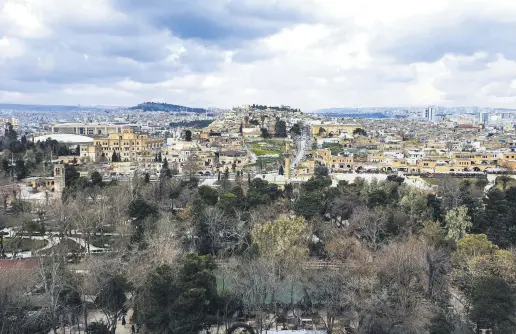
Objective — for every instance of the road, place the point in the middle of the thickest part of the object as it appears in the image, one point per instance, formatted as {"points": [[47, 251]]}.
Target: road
{"points": [[53, 239], [252, 156], [303, 146]]}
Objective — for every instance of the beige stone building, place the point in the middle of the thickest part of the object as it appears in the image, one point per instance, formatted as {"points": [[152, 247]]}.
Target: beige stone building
{"points": [[130, 146]]}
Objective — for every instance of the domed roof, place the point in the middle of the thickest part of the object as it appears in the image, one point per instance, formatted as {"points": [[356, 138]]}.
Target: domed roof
{"points": [[66, 138]]}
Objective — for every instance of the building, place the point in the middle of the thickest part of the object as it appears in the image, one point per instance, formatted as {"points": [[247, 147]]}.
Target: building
{"points": [[332, 130], [129, 146], [11, 120], [59, 179], [430, 114], [90, 129], [69, 139], [483, 118]]}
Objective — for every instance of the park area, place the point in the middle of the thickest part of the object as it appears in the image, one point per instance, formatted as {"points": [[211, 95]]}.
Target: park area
{"points": [[268, 147]]}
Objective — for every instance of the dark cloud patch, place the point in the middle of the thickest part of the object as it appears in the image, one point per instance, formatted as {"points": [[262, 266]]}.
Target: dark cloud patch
{"points": [[220, 22], [463, 38], [103, 59]]}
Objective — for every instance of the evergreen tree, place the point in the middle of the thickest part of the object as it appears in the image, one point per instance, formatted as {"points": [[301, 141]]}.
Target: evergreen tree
{"points": [[96, 179], [280, 128], [188, 135], [281, 171], [115, 157], [493, 305], [21, 170], [180, 303]]}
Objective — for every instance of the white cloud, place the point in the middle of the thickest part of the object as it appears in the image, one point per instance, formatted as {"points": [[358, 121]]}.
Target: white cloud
{"points": [[327, 53]]}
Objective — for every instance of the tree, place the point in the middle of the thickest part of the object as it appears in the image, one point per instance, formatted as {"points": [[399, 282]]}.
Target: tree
{"points": [[296, 129], [21, 170], [369, 225], [188, 135], [182, 302], [142, 214], [360, 132], [265, 133], [282, 240], [309, 204], [165, 170], [395, 178], [111, 297], [457, 223], [280, 128], [191, 165], [209, 195], [60, 297], [493, 305], [504, 179], [261, 192], [281, 171], [146, 178], [115, 157], [96, 179]]}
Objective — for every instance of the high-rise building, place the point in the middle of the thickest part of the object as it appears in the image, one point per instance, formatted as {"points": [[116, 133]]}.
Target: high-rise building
{"points": [[483, 118], [430, 114]]}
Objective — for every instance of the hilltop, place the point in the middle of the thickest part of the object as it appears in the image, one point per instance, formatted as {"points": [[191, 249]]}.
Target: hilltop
{"points": [[157, 106]]}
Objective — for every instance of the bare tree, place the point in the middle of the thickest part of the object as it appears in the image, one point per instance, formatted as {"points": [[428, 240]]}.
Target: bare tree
{"points": [[256, 283], [368, 225], [399, 304], [60, 300], [191, 165]]}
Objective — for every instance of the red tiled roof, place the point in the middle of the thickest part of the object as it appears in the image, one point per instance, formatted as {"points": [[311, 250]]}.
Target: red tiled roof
{"points": [[19, 264]]}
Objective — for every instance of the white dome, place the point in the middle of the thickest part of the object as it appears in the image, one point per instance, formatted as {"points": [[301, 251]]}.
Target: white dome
{"points": [[66, 138]]}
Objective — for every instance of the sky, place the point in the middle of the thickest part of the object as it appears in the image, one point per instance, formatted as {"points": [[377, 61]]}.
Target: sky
{"points": [[308, 54]]}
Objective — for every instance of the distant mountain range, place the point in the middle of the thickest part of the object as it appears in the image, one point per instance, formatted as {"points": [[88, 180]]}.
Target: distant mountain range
{"points": [[153, 106]]}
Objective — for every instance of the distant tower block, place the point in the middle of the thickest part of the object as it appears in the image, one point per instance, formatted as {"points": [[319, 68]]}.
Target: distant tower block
{"points": [[59, 178]]}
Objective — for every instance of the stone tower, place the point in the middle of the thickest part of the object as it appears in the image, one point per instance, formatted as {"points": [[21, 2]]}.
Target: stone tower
{"points": [[287, 161], [59, 178]]}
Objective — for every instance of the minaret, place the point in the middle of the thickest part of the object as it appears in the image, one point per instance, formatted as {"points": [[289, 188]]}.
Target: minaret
{"points": [[287, 161], [59, 179]]}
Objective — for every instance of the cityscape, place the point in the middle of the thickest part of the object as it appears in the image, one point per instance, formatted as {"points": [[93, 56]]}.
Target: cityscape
{"points": [[257, 167]]}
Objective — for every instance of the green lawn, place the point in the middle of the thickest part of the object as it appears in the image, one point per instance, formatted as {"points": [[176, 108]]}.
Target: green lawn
{"points": [[431, 181], [267, 162], [511, 183], [335, 148], [438, 181], [23, 245], [266, 147]]}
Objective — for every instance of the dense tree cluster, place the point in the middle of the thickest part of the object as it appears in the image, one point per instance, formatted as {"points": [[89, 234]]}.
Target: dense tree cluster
{"points": [[366, 257], [158, 106], [264, 107], [22, 157]]}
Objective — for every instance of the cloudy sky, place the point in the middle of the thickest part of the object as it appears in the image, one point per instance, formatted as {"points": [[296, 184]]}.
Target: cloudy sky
{"points": [[219, 53]]}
